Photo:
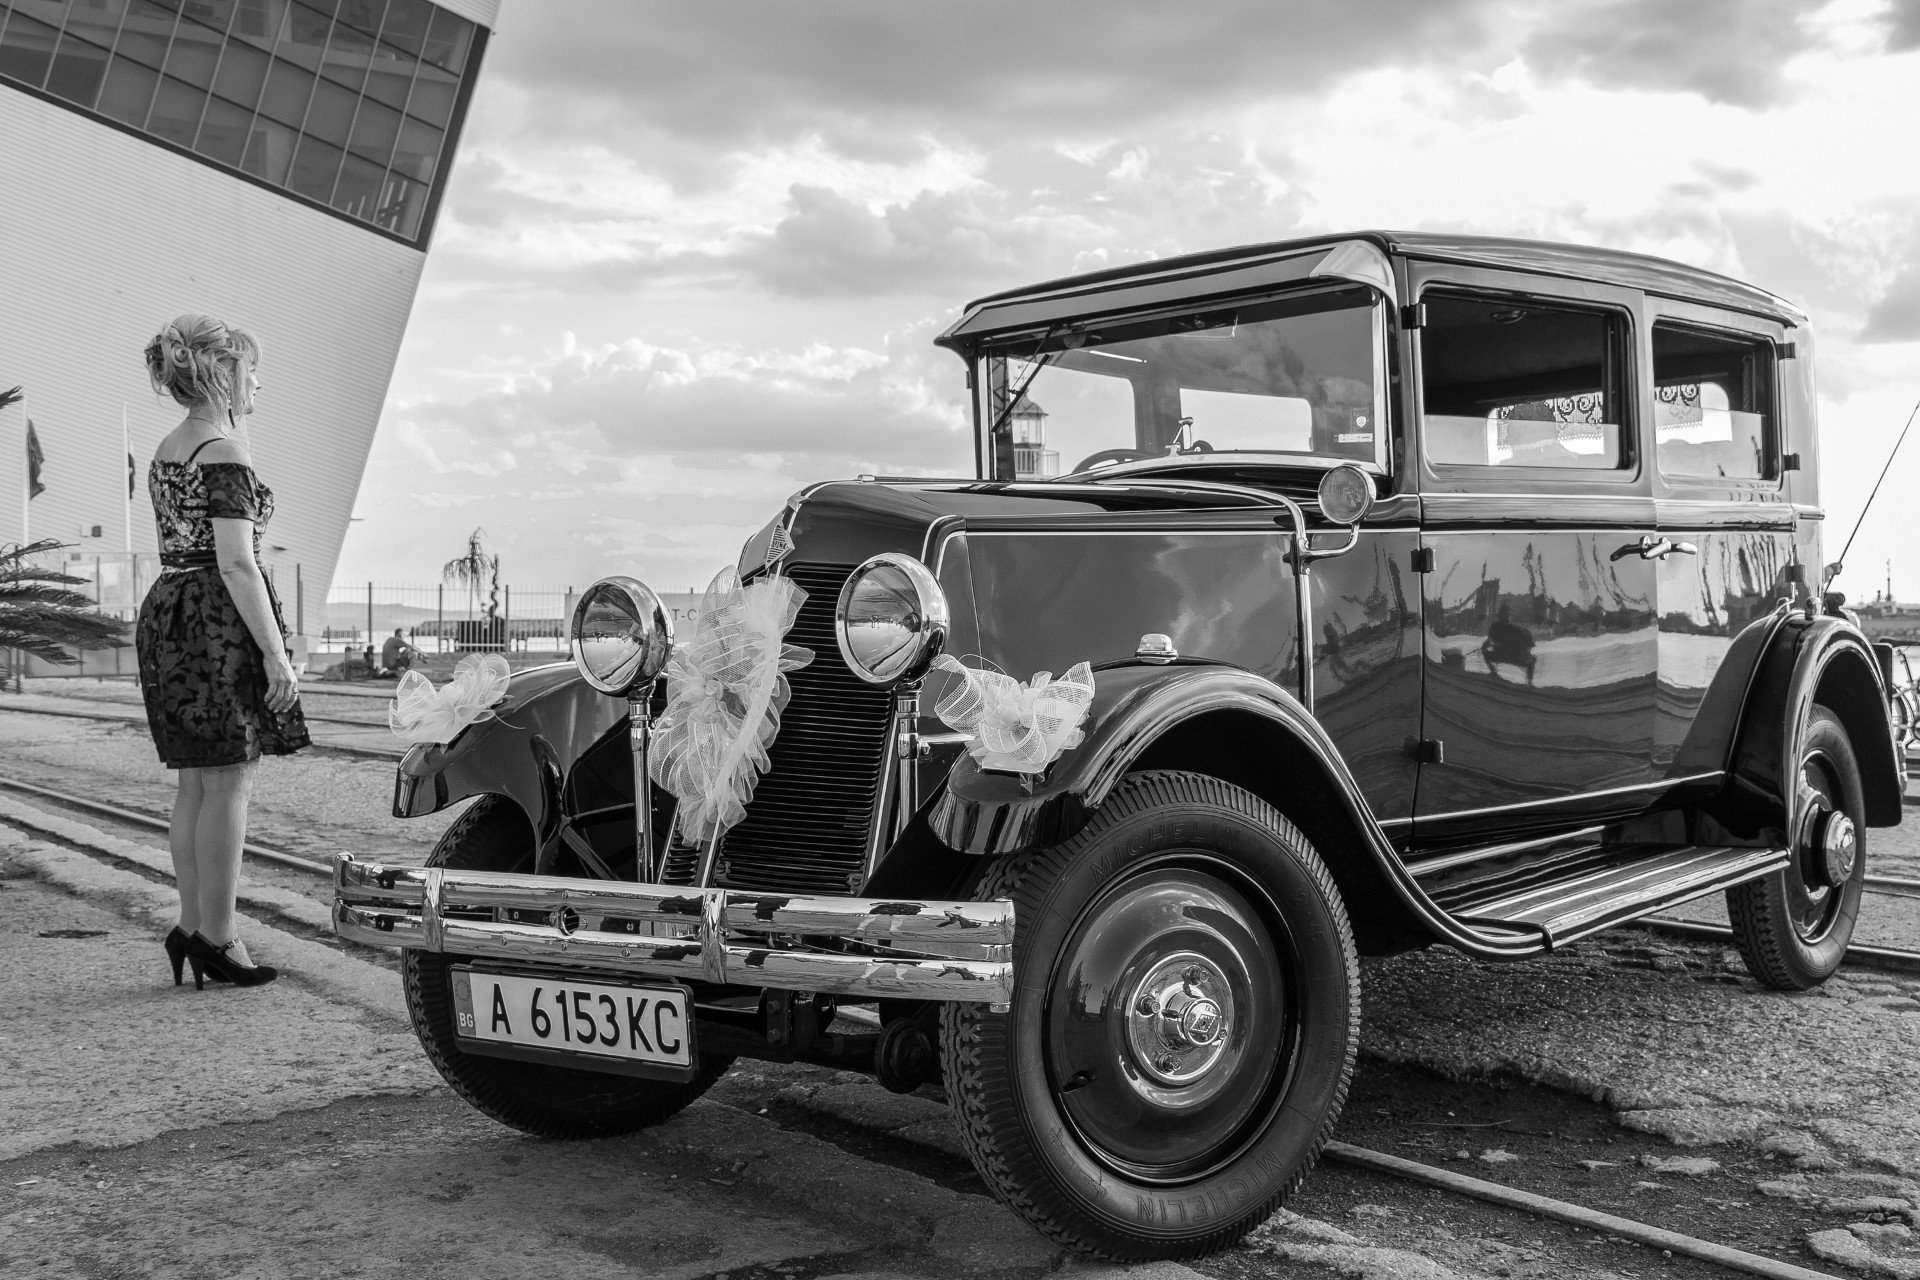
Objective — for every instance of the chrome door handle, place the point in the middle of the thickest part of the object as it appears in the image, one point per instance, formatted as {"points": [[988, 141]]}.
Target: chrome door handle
{"points": [[1683, 548], [1650, 547]]}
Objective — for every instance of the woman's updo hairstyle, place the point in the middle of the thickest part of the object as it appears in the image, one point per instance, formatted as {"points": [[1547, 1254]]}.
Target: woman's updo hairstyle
{"points": [[196, 359]]}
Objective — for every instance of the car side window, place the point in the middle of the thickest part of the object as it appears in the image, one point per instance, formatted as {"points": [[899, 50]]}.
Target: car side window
{"points": [[1518, 383], [1712, 404]]}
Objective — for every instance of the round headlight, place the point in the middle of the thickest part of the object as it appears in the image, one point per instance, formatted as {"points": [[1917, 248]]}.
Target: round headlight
{"points": [[891, 619], [621, 636], [1346, 495]]}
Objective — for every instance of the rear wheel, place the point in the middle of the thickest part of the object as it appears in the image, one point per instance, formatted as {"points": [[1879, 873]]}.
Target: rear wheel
{"points": [[1793, 927], [1182, 1029], [553, 1102]]}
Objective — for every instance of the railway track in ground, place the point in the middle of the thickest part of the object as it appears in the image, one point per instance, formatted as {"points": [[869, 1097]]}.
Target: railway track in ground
{"points": [[1667, 1243]]}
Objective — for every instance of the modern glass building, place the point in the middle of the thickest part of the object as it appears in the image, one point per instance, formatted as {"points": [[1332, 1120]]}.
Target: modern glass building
{"points": [[348, 105], [277, 163]]}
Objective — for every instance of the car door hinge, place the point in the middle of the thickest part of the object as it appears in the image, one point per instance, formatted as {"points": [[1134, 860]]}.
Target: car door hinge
{"points": [[1414, 316], [1423, 559], [1789, 462], [1427, 750], [1784, 351]]}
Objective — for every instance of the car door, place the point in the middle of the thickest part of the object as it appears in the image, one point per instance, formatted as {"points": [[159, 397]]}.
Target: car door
{"points": [[1725, 571], [1539, 593]]}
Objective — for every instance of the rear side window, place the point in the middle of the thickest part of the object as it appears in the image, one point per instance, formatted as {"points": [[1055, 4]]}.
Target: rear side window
{"points": [[1712, 404], [1515, 383]]}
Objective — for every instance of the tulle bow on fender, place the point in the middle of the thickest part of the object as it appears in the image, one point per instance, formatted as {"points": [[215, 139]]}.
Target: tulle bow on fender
{"points": [[1016, 728], [421, 713], [726, 687]]}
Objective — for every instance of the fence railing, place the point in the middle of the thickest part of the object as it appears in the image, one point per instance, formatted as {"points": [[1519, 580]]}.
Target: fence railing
{"points": [[443, 618]]}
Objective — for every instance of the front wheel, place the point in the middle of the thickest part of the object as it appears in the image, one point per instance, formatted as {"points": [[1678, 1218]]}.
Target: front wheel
{"points": [[552, 1102], [1182, 1029], [1793, 927]]}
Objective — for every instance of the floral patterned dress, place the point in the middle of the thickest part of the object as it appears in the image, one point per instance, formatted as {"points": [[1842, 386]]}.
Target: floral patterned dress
{"points": [[203, 675]]}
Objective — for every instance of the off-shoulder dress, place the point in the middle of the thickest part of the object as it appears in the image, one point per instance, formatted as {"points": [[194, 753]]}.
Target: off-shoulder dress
{"points": [[201, 671]]}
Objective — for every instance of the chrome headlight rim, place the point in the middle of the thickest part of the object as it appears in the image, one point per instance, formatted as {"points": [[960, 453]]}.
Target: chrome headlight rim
{"points": [[931, 607], [651, 635]]}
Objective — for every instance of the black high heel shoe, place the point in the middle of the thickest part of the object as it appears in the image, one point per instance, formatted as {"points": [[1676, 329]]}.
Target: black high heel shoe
{"points": [[176, 945], [209, 961]]}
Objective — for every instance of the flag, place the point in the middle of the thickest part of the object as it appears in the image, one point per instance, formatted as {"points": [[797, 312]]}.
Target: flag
{"points": [[34, 460], [129, 477]]}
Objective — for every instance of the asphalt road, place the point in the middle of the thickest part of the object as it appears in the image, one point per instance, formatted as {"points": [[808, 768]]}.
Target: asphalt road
{"points": [[296, 1130]]}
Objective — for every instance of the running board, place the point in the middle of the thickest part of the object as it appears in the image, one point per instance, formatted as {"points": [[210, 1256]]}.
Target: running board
{"points": [[1602, 897]]}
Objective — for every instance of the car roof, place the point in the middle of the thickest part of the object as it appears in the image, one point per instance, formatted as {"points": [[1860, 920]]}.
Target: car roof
{"points": [[1578, 262]]}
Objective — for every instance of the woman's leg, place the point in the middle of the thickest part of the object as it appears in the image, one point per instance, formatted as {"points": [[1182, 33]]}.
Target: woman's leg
{"points": [[181, 828], [217, 837]]}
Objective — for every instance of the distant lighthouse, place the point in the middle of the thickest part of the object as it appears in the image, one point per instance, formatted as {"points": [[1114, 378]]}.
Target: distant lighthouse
{"points": [[1032, 460]]}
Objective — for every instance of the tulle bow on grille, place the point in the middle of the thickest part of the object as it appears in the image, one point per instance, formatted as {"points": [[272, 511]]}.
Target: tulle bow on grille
{"points": [[421, 713], [726, 687], [1016, 728]]}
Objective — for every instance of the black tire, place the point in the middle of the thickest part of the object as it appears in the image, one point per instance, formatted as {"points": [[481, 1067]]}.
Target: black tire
{"points": [[1120, 1157], [552, 1102], [1792, 927]]}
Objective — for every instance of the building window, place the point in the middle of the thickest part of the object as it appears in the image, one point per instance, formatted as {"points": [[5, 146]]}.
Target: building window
{"points": [[351, 105]]}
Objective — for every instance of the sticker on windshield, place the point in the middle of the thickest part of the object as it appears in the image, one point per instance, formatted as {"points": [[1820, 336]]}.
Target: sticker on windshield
{"points": [[1354, 437]]}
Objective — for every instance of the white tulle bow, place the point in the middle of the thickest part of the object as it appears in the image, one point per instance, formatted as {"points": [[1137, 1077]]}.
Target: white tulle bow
{"points": [[421, 713], [726, 687], [1016, 728]]}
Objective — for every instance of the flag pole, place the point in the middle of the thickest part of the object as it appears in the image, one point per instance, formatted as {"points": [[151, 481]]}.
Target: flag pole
{"points": [[26, 474], [126, 443]]}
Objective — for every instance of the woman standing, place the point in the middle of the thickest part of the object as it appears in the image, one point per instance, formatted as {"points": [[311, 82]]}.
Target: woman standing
{"points": [[214, 666]]}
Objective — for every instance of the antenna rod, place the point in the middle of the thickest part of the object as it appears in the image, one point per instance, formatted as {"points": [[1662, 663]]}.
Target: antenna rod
{"points": [[1876, 490]]}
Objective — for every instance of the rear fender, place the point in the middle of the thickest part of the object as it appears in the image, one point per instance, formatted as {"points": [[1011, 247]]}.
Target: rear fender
{"points": [[547, 721], [1811, 660], [1229, 723]]}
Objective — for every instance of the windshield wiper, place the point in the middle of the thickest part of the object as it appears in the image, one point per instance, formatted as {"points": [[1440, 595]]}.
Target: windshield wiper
{"points": [[1070, 341]]}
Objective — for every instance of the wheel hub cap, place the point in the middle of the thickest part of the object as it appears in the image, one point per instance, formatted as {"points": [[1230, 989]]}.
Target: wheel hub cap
{"points": [[1179, 1019], [1840, 847]]}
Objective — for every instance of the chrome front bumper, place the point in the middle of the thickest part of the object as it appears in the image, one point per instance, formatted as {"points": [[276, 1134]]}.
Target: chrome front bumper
{"points": [[866, 948]]}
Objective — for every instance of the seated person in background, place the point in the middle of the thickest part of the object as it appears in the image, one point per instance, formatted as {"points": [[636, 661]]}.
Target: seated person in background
{"points": [[396, 655]]}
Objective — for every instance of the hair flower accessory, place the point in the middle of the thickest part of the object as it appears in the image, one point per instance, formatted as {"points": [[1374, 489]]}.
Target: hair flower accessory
{"points": [[726, 688], [421, 713], [1016, 728]]}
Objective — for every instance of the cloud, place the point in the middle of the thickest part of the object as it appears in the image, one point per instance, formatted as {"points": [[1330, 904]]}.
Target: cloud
{"points": [[1896, 316], [730, 71], [1732, 51], [1903, 26], [588, 413]]}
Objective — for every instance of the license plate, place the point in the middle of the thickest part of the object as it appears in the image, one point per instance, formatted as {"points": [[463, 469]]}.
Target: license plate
{"points": [[637, 1030]]}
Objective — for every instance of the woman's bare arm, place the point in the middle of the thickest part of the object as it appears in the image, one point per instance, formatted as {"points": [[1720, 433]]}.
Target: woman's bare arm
{"points": [[233, 549]]}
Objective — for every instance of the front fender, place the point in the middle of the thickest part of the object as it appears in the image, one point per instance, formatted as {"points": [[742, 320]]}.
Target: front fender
{"points": [[548, 719], [1825, 660], [1133, 704], [1136, 708]]}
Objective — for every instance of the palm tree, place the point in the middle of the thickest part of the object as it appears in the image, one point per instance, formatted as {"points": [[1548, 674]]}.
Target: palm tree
{"points": [[475, 569], [42, 615]]}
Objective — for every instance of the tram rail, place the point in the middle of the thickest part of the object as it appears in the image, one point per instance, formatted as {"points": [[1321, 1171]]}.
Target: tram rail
{"points": [[1363, 1158]]}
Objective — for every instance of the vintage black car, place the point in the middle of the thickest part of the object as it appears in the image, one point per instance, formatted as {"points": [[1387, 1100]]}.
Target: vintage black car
{"points": [[1435, 589]]}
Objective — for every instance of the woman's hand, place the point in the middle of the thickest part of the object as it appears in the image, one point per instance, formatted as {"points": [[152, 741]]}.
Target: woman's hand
{"points": [[283, 688]]}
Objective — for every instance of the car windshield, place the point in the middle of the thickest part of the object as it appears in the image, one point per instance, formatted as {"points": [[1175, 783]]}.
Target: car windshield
{"points": [[1296, 377]]}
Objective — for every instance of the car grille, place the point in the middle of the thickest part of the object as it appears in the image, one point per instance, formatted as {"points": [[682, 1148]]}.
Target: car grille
{"points": [[806, 826]]}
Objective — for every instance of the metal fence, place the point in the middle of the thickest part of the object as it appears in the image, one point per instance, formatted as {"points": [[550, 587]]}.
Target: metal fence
{"points": [[441, 618]]}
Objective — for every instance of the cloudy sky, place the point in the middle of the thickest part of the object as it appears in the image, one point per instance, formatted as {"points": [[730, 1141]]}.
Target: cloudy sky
{"points": [[693, 254]]}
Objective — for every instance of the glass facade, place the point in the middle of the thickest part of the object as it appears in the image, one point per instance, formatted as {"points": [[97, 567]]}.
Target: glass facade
{"points": [[353, 105]]}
